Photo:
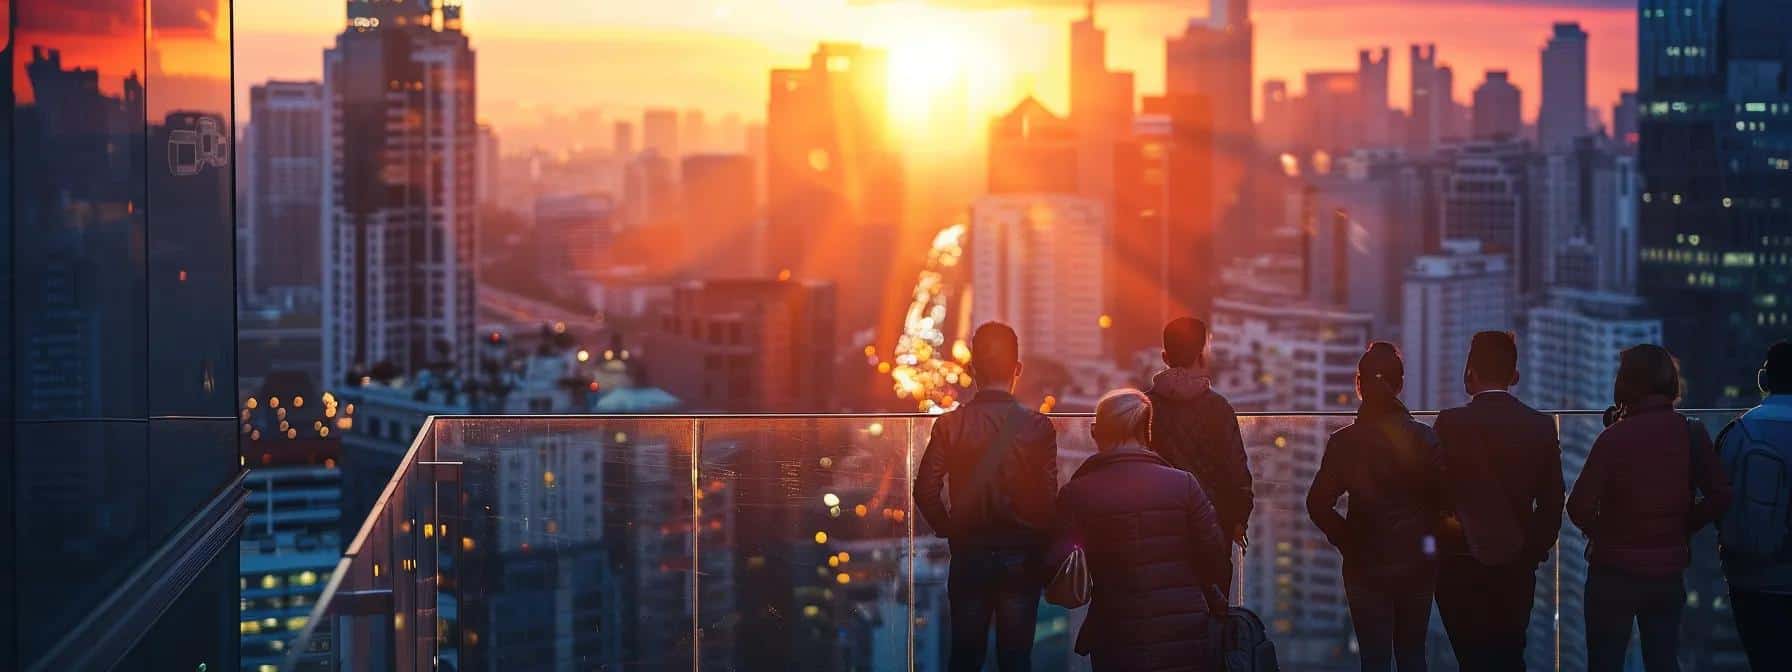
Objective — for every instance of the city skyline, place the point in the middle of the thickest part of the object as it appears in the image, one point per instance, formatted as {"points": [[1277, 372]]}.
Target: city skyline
{"points": [[713, 55]]}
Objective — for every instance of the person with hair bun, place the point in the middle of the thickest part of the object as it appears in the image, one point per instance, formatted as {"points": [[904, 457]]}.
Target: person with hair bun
{"points": [[1386, 463], [1152, 544]]}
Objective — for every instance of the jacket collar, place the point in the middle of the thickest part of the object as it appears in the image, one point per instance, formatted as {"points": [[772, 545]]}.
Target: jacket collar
{"points": [[987, 394], [1650, 404], [1131, 451]]}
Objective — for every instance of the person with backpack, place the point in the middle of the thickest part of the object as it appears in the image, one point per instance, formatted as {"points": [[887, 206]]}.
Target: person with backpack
{"points": [[1386, 462], [1152, 546], [1196, 430], [997, 461], [1651, 480], [1502, 484], [1756, 453]]}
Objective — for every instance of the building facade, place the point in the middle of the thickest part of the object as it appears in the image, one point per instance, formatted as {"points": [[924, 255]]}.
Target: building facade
{"points": [[399, 259], [1031, 267], [1563, 115], [1449, 297]]}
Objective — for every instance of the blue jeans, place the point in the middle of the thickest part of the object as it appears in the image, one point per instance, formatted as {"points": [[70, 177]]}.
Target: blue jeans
{"points": [[1000, 584]]}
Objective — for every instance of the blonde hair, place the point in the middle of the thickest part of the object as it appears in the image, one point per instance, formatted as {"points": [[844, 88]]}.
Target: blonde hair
{"points": [[1123, 414]]}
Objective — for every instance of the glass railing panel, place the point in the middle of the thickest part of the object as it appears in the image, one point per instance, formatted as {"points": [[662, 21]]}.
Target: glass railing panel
{"points": [[804, 544], [569, 543]]}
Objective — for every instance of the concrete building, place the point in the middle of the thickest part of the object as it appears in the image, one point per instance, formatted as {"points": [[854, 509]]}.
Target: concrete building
{"points": [[1449, 297], [1499, 107], [1563, 115], [285, 187], [1034, 266]]}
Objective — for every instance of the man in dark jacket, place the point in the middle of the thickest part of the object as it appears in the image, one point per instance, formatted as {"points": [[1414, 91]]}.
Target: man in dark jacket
{"points": [[1196, 430], [1502, 479], [1153, 547], [988, 483]]}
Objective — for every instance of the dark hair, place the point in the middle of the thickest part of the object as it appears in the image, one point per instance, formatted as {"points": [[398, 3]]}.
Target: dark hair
{"points": [[1381, 373], [995, 352], [1493, 357], [1184, 340], [1646, 371], [1776, 373]]}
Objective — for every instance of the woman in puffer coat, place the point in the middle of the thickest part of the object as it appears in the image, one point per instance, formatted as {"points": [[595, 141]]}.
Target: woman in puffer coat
{"points": [[1152, 543]]}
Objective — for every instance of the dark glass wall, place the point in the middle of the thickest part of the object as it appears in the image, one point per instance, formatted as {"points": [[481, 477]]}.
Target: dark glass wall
{"points": [[118, 322]]}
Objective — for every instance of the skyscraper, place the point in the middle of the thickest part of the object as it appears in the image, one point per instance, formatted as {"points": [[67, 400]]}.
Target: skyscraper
{"points": [[1031, 267], [1101, 106], [1331, 119], [1485, 199], [1372, 89], [1212, 62], [1280, 110], [1429, 103], [1716, 178], [833, 181], [286, 184], [487, 174], [1161, 260], [622, 139], [1624, 119], [748, 345], [1563, 116], [1450, 296], [1499, 107], [659, 131], [400, 214], [1034, 151], [720, 211]]}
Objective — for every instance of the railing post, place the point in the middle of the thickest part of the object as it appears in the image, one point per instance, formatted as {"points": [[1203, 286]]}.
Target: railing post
{"points": [[696, 438], [909, 461]]}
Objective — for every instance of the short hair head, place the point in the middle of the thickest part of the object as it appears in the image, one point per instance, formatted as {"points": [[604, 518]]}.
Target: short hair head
{"points": [[1121, 415], [1493, 358], [1646, 371], [1185, 339], [1776, 372], [995, 352]]}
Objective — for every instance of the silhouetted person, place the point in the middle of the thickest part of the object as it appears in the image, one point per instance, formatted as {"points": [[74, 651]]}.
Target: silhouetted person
{"points": [[1153, 546], [1386, 462], [1502, 484], [1756, 450], [1196, 430], [997, 462], [1638, 499]]}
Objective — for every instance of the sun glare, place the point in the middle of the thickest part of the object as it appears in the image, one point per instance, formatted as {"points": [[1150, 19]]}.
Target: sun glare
{"points": [[939, 76]]}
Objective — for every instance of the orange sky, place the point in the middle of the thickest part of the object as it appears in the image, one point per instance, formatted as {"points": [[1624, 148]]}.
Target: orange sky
{"points": [[714, 54]]}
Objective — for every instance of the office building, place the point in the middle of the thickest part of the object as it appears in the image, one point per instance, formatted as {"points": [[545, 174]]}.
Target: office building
{"points": [[1101, 107], [650, 196], [1031, 268], [622, 139], [572, 234], [1449, 297], [1499, 107], [1484, 199], [1715, 180], [694, 137], [399, 266], [1032, 151], [1280, 117], [1430, 102], [1331, 119], [748, 345], [1161, 261], [1583, 206], [1210, 64], [1624, 119], [487, 173], [285, 186], [659, 132], [1372, 89], [1357, 239], [1563, 115], [720, 214], [834, 182], [291, 541], [120, 489]]}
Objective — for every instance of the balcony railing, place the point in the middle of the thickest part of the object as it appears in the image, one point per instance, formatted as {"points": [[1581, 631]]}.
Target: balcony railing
{"points": [[792, 542]]}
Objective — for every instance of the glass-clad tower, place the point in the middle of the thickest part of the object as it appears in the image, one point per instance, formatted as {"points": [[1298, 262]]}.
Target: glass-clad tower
{"points": [[120, 501], [1716, 211]]}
